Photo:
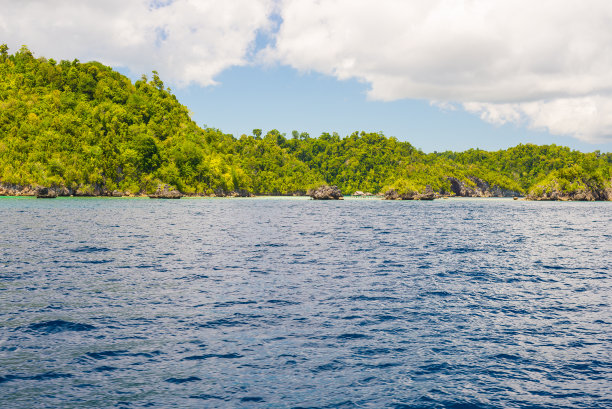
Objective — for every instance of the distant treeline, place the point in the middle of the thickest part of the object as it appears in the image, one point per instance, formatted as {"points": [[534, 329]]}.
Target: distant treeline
{"points": [[87, 127]]}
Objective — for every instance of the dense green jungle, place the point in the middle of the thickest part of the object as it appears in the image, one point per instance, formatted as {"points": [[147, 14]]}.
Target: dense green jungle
{"points": [[89, 130]]}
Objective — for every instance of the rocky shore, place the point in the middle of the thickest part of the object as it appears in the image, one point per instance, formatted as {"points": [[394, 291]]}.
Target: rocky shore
{"points": [[162, 192], [326, 192], [428, 194], [8, 189], [481, 188], [582, 195], [166, 192]]}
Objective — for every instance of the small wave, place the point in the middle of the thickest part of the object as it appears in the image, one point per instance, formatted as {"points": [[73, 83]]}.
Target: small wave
{"points": [[331, 366], [383, 365], [436, 404], [438, 293], [352, 317], [178, 381], [461, 250], [252, 399], [592, 367], [150, 354], [57, 326], [205, 396], [232, 303], [40, 377], [372, 351], [282, 302], [95, 261], [229, 322], [352, 335], [207, 356], [344, 404], [386, 317], [89, 249], [508, 357], [192, 277], [551, 267], [369, 298], [433, 368], [105, 368], [105, 354], [557, 395], [271, 245]]}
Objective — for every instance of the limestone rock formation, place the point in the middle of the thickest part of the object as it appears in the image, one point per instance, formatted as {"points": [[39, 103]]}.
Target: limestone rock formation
{"points": [[8, 189], [481, 189], [46, 193], [428, 194], [166, 192], [392, 194], [325, 192], [588, 195]]}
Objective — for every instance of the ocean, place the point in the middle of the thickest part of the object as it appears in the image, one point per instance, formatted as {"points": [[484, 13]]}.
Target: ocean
{"points": [[294, 303]]}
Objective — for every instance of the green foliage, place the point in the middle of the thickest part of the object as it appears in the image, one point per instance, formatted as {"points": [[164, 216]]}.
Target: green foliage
{"points": [[572, 179], [85, 126], [271, 168]]}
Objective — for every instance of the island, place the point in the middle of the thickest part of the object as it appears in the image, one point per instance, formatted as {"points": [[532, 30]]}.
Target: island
{"points": [[82, 129]]}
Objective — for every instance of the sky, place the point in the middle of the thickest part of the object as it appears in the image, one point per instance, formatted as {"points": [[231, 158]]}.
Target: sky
{"points": [[441, 74]]}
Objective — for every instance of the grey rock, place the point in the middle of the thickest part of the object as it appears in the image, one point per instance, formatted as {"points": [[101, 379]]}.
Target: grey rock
{"points": [[166, 192], [326, 192], [46, 193], [482, 189]]}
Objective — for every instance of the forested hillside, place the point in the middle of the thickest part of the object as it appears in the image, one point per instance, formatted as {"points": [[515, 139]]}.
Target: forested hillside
{"points": [[85, 129], [88, 128]]}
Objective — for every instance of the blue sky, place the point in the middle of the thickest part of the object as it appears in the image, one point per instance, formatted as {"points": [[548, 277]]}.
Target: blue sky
{"points": [[441, 74], [282, 98]]}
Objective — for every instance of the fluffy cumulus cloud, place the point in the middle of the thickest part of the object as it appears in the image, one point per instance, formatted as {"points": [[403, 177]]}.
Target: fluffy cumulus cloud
{"points": [[545, 64], [187, 41]]}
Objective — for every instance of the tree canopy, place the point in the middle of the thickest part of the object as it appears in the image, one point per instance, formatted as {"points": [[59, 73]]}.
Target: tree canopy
{"points": [[89, 128]]}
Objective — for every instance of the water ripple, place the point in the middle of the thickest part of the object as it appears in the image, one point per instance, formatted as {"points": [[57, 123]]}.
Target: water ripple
{"points": [[289, 303]]}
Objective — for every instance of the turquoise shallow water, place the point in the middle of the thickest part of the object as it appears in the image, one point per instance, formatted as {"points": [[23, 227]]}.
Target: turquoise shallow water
{"points": [[292, 303]]}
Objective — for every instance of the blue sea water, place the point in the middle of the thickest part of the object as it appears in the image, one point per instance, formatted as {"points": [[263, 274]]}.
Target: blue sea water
{"points": [[277, 303]]}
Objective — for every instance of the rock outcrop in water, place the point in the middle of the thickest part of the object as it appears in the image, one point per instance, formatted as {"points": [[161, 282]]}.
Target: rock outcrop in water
{"points": [[166, 192], [9, 189], [233, 193], [326, 192], [572, 187], [481, 188], [46, 193], [392, 194], [588, 195], [428, 194], [359, 193]]}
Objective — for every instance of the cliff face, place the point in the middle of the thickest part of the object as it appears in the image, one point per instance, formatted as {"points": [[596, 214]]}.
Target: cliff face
{"points": [[8, 189], [326, 192], [572, 188], [482, 189], [588, 194]]}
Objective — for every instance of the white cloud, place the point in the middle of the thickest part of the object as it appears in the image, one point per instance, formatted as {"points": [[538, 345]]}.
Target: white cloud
{"points": [[546, 63], [586, 118], [187, 41]]}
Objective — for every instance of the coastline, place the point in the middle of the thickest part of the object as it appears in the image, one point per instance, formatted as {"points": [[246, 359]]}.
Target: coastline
{"points": [[8, 190], [446, 199]]}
